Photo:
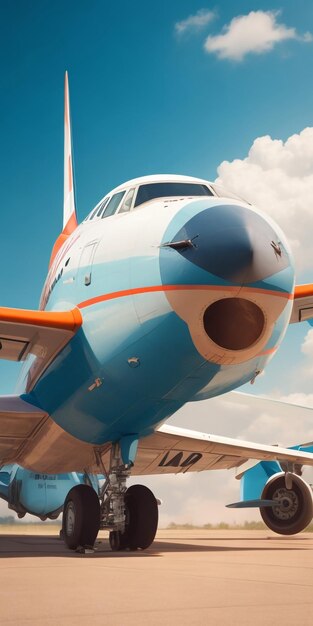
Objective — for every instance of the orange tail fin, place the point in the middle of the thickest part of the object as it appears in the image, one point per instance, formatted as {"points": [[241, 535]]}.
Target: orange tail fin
{"points": [[69, 209]]}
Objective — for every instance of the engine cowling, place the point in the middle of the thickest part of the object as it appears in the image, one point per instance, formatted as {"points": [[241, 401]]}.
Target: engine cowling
{"points": [[42, 495], [294, 510]]}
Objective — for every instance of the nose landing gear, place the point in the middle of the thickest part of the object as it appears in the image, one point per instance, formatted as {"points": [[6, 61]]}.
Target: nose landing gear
{"points": [[130, 514], [81, 517], [141, 520]]}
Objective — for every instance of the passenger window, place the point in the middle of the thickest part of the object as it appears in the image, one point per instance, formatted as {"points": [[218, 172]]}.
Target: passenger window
{"points": [[127, 202], [113, 205]]}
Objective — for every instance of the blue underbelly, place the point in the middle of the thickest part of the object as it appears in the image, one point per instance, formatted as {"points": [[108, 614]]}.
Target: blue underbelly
{"points": [[126, 380]]}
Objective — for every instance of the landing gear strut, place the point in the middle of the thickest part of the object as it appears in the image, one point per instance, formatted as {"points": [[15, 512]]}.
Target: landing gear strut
{"points": [[131, 514], [141, 520]]}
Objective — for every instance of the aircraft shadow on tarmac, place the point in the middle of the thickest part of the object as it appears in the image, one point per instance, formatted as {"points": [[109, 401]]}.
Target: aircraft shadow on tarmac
{"points": [[16, 546]]}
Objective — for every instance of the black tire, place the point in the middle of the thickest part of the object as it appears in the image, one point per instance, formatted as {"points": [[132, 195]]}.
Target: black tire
{"points": [[298, 511], [81, 517], [141, 517]]}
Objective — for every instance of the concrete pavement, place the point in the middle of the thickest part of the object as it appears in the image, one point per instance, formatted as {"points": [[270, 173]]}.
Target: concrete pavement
{"points": [[192, 578]]}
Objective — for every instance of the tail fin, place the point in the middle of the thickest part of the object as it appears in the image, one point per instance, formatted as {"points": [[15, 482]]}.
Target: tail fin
{"points": [[69, 209]]}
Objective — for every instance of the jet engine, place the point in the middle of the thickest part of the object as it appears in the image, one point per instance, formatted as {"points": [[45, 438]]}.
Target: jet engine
{"points": [[294, 510], [42, 495]]}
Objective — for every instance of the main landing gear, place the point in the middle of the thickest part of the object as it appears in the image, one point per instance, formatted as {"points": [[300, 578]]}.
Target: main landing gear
{"points": [[141, 520], [130, 514], [81, 517], [294, 510]]}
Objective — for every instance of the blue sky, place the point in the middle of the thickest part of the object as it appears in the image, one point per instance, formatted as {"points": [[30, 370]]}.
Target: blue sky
{"points": [[146, 98]]}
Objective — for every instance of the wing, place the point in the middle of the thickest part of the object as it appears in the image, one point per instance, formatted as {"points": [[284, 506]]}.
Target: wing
{"points": [[19, 421], [172, 450], [303, 304], [42, 334]]}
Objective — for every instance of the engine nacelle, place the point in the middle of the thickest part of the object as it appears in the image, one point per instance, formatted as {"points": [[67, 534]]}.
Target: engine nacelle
{"points": [[42, 495], [294, 510]]}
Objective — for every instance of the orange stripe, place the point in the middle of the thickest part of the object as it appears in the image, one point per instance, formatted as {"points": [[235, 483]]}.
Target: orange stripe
{"points": [[66, 249], [70, 226], [269, 351], [66, 320], [66, 232], [303, 291], [164, 288], [57, 245], [279, 294]]}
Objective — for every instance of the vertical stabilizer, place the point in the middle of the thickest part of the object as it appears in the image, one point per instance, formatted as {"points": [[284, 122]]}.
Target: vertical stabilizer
{"points": [[69, 209]]}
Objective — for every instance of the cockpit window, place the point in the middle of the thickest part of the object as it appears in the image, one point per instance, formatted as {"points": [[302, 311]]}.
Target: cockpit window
{"points": [[92, 214], [161, 190], [113, 205], [97, 211], [127, 202], [102, 206]]}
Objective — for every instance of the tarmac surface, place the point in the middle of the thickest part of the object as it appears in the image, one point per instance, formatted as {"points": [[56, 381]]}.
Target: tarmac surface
{"points": [[194, 577]]}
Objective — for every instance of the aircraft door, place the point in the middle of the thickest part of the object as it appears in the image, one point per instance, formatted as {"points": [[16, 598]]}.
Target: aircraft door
{"points": [[85, 263]]}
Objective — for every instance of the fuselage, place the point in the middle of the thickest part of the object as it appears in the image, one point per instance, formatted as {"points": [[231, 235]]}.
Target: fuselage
{"points": [[180, 293]]}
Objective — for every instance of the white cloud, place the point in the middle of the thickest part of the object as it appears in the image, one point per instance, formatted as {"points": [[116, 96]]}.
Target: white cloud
{"points": [[258, 32], [195, 22], [307, 346], [277, 177], [199, 501], [299, 399], [306, 372]]}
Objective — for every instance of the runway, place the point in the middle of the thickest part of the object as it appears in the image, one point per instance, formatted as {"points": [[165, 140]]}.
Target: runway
{"points": [[189, 578]]}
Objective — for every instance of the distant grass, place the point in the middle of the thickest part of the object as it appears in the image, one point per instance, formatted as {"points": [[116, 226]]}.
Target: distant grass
{"points": [[219, 526], [224, 526], [9, 520]]}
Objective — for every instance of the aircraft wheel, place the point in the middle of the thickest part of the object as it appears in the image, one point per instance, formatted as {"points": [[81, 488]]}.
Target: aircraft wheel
{"points": [[81, 517], [141, 517], [296, 509]]}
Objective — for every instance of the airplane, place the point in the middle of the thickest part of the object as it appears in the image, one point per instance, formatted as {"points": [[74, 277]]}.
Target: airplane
{"points": [[171, 290]]}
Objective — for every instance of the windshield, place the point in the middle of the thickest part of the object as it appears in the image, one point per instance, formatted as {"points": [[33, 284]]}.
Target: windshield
{"points": [[161, 190]]}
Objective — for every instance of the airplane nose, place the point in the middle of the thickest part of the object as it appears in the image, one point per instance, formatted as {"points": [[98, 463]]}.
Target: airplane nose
{"points": [[234, 243]]}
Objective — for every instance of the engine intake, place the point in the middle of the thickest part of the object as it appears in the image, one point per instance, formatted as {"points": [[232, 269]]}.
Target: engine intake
{"points": [[234, 323]]}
